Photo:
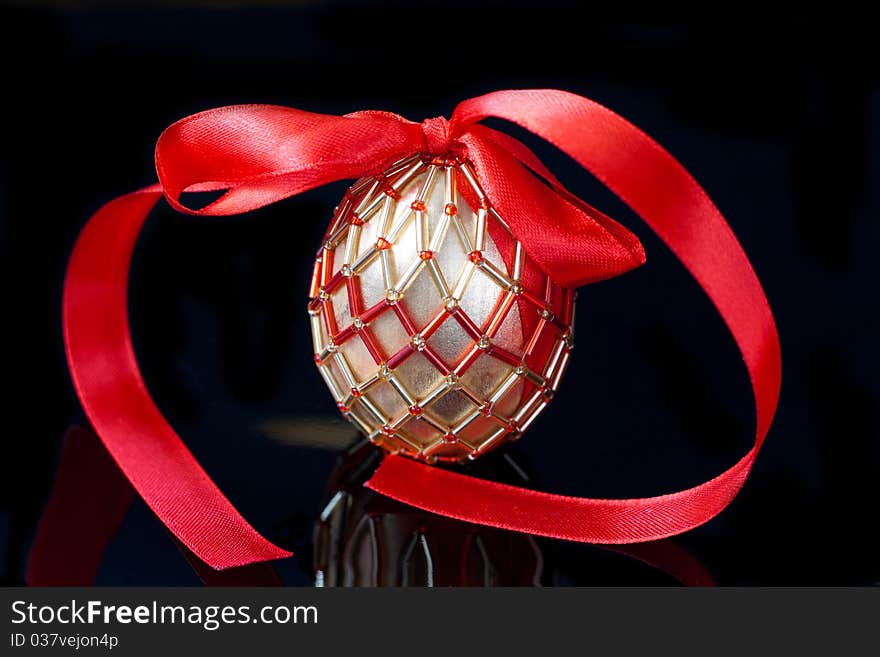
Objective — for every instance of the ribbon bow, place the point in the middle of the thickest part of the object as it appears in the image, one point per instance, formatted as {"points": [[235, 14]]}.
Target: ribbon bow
{"points": [[259, 154], [263, 153]]}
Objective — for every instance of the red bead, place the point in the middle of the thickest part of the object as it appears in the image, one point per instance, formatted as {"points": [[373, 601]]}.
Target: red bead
{"points": [[504, 355], [334, 281], [467, 324], [400, 356], [355, 305], [344, 335], [405, 320], [371, 345], [436, 361], [374, 311]]}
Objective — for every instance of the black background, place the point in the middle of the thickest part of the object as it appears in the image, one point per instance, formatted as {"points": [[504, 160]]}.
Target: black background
{"points": [[776, 116]]}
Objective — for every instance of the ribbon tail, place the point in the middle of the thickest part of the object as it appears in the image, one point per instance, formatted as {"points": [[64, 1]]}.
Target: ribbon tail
{"points": [[252, 574], [579, 519], [635, 252], [672, 203], [113, 394], [672, 559], [89, 500], [570, 242], [664, 194]]}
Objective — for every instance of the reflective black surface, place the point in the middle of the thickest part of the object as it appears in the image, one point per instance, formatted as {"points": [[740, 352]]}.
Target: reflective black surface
{"points": [[777, 118]]}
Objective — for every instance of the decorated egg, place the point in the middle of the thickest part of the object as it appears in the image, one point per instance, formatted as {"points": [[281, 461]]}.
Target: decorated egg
{"points": [[437, 335]]}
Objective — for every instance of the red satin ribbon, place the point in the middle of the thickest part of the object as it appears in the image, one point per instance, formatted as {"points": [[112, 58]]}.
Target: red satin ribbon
{"points": [[90, 498], [260, 154], [89, 501]]}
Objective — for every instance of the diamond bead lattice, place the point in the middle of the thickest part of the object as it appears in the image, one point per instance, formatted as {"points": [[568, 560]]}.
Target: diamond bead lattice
{"points": [[436, 334]]}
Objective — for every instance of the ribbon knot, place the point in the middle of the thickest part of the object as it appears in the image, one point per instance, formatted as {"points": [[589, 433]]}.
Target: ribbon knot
{"points": [[438, 137]]}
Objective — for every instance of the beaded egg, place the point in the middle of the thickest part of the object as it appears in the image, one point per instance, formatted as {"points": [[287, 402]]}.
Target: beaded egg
{"points": [[438, 337]]}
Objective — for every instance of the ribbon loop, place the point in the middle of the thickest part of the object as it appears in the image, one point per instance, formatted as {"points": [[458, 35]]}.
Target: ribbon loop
{"points": [[262, 154]]}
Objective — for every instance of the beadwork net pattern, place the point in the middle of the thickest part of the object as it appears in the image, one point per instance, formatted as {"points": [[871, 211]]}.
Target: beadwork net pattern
{"points": [[436, 334]]}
